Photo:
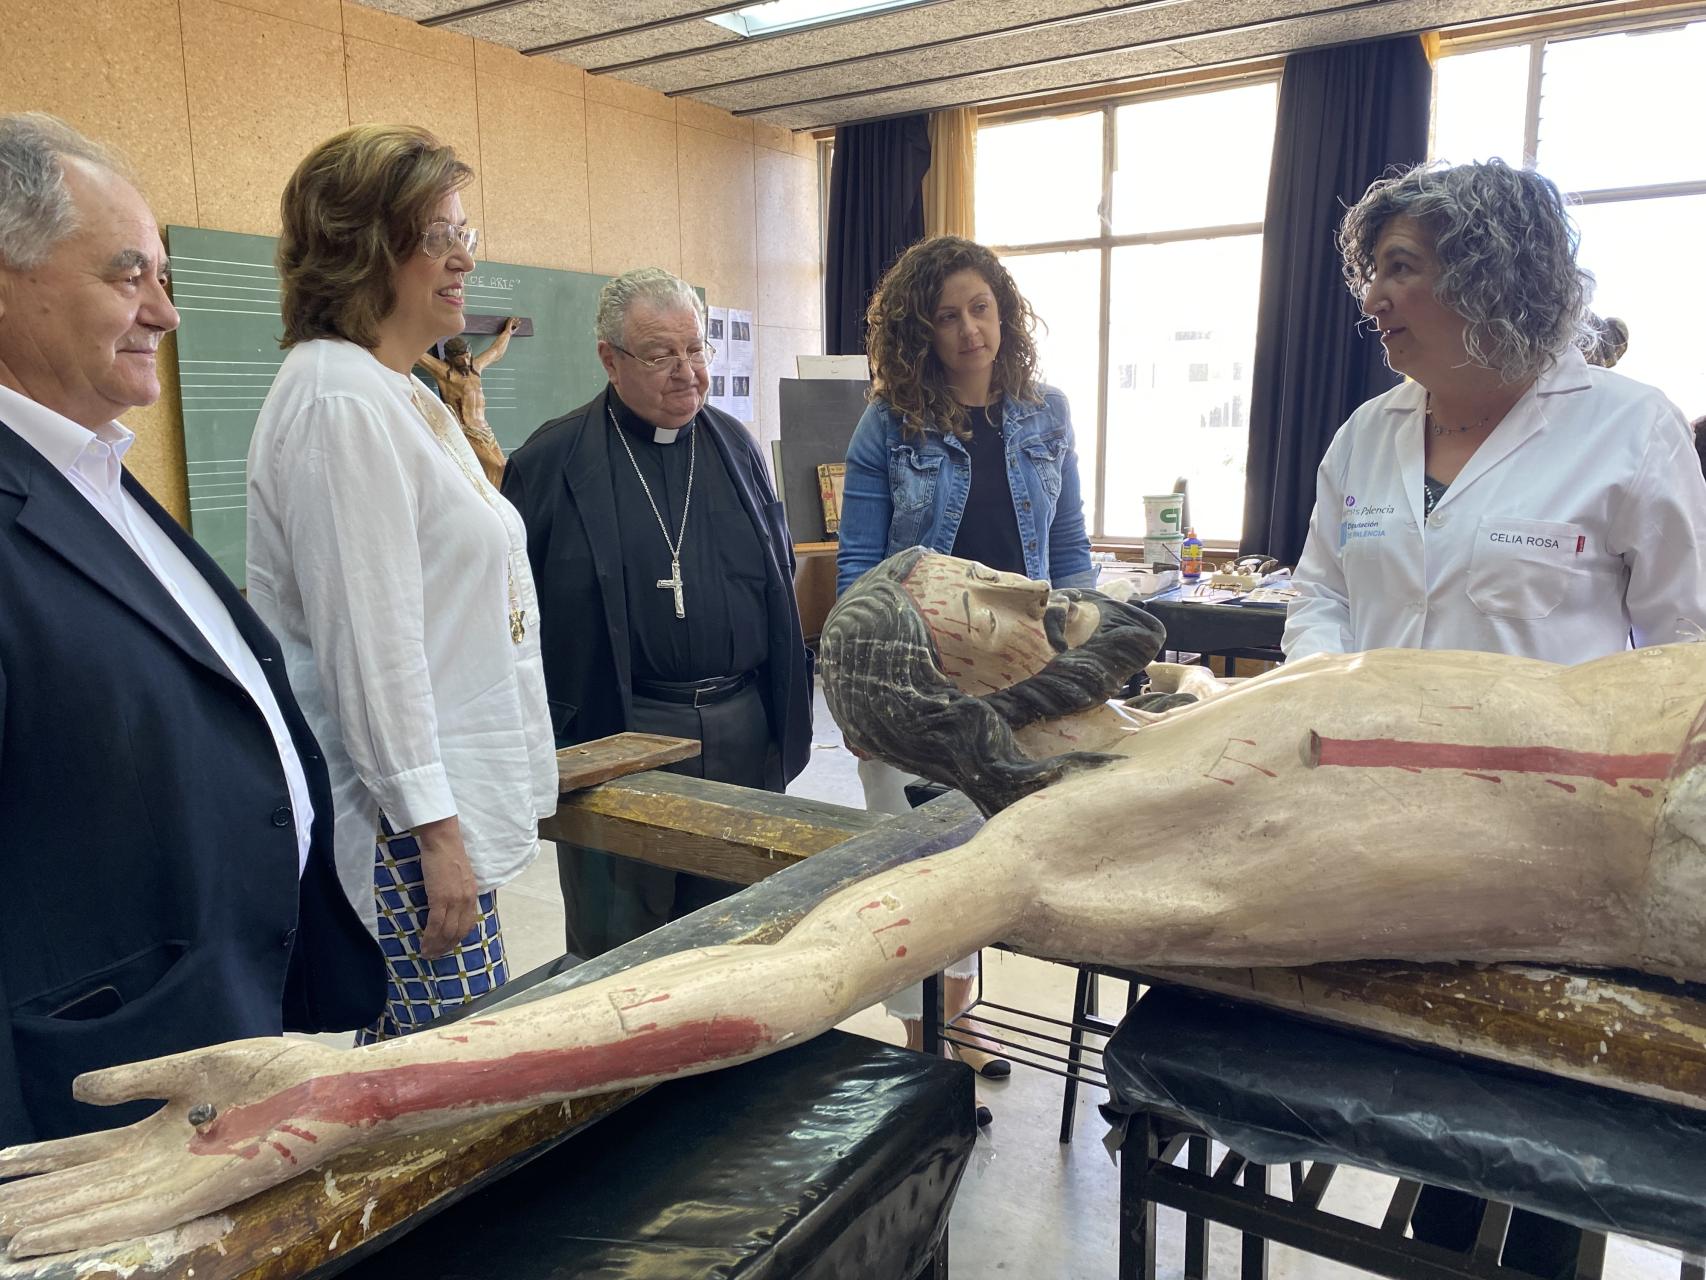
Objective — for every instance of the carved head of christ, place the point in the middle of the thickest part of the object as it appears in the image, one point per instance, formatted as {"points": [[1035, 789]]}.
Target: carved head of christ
{"points": [[457, 356], [930, 663]]}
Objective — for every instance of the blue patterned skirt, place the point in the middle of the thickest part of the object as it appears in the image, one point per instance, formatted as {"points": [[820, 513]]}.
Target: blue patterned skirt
{"points": [[417, 988]]}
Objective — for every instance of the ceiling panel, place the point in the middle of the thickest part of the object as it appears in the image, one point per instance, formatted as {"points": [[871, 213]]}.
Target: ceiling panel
{"points": [[935, 54]]}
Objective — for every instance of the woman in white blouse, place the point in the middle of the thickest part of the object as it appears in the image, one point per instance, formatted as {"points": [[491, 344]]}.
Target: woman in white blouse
{"points": [[394, 575]]}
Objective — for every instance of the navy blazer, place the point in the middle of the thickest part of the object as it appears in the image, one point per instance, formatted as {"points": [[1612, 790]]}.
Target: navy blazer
{"points": [[560, 482], [147, 848]]}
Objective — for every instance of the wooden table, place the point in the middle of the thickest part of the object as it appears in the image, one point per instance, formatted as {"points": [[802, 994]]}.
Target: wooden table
{"points": [[814, 584]]}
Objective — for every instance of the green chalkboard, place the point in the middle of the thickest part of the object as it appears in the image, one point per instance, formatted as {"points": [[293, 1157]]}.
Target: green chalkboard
{"points": [[226, 289]]}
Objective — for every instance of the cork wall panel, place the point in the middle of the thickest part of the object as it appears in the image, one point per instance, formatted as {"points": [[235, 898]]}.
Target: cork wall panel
{"points": [[390, 85], [361, 23], [99, 77], [533, 162], [702, 115], [635, 191], [789, 269], [325, 14], [157, 457], [773, 136], [262, 91], [718, 217], [630, 97], [540, 73]]}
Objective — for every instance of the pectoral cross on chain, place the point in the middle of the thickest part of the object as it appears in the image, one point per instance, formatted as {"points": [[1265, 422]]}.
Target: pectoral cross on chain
{"points": [[673, 583]]}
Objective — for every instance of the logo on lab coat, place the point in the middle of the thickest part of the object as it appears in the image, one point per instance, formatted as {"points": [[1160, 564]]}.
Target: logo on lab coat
{"points": [[1368, 522]]}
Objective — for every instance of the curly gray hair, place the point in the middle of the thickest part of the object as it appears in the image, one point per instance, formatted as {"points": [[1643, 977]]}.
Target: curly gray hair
{"points": [[663, 289], [36, 210], [1507, 256]]}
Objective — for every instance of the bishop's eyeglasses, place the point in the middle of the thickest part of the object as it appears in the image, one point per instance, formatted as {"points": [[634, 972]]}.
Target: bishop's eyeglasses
{"points": [[438, 237], [698, 358]]}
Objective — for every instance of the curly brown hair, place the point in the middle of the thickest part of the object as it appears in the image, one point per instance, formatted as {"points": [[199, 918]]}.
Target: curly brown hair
{"points": [[353, 210], [900, 331]]}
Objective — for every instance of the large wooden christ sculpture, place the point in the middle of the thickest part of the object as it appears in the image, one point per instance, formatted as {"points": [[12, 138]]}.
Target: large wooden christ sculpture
{"points": [[1403, 805]]}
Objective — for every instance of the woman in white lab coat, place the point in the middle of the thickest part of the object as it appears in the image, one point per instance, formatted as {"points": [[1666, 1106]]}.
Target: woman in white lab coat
{"points": [[1508, 497]]}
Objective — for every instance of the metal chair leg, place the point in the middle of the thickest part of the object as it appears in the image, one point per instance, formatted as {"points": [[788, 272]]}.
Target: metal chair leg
{"points": [[1081, 997]]}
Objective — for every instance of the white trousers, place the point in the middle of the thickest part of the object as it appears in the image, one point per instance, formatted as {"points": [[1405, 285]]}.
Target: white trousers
{"points": [[885, 792]]}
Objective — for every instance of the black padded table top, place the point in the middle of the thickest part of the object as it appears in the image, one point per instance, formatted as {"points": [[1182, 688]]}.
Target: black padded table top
{"points": [[837, 1158], [1278, 1089], [1203, 626]]}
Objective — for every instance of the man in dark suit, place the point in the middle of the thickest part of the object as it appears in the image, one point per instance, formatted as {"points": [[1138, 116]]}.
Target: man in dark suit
{"points": [[165, 820], [665, 577]]}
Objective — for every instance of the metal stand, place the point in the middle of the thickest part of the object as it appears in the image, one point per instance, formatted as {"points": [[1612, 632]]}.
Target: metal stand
{"points": [[1237, 1195], [1081, 1061]]}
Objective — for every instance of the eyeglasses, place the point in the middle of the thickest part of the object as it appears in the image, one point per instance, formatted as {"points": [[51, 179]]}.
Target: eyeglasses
{"points": [[437, 239], [699, 359]]}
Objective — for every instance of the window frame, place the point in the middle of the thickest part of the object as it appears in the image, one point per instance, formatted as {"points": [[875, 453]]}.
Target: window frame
{"points": [[1536, 43], [1104, 244]]}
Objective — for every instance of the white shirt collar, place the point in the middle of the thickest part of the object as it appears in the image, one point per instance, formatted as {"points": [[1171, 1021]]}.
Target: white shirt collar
{"points": [[58, 439], [1568, 372]]}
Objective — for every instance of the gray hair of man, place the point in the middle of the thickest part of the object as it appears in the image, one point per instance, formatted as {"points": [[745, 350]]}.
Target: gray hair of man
{"points": [[662, 289], [36, 209], [1507, 255]]}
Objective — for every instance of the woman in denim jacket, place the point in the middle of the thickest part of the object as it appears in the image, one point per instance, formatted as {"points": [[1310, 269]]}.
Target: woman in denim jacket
{"points": [[954, 392], [962, 450]]}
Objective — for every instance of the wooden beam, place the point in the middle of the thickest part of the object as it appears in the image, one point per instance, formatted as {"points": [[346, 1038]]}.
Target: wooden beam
{"points": [[708, 828], [1629, 1032], [617, 756]]}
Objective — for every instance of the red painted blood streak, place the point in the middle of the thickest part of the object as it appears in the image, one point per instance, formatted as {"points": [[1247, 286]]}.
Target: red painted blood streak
{"points": [[1647, 792], [653, 1000], [362, 1099], [1487, 777], [1385, 753], [897, 924], [900, 953], [294, 1132], [284, 1151], [1570, 787]]}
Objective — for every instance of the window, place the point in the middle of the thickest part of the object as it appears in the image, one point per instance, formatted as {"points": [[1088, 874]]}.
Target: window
{"points": [[1601, 115], [1143, 264], [794, 15]]}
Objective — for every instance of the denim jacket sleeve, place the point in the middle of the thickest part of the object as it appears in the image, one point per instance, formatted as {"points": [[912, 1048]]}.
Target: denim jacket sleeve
{"points": [[866, 501], [1069, 563]]}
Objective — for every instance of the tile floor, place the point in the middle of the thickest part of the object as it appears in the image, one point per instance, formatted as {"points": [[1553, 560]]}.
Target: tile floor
{"points": [[1028, 1207]]}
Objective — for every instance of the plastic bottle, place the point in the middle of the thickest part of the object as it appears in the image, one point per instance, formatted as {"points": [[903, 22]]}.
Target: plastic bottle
{"points": [[1190, 557]]}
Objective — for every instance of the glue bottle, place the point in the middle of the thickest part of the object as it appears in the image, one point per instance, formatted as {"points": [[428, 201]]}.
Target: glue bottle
{"points": [[1190, 557]]}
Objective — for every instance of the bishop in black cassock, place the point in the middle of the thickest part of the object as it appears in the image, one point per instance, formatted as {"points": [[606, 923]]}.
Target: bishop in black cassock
{"points": [[665, 576]]}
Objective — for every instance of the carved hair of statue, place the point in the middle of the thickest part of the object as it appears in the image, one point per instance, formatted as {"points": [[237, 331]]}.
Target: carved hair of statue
{"points": [[884, 683], [456, 355]]}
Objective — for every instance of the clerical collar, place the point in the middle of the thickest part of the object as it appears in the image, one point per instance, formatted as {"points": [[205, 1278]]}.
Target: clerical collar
{"points": [[639, 428]]}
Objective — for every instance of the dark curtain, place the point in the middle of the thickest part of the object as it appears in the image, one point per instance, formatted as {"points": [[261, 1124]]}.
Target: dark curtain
{"points": [[1345, 116], [876, 209]]}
